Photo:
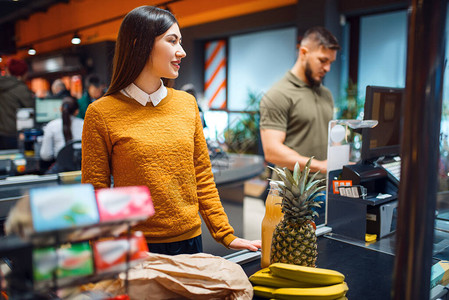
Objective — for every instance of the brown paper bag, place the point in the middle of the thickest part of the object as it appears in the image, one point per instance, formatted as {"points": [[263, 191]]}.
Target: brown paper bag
{"points": [[196, 276]]}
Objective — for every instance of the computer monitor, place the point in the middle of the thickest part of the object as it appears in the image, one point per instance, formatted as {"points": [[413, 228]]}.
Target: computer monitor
{"points": [[47, 110], [383, 104]]}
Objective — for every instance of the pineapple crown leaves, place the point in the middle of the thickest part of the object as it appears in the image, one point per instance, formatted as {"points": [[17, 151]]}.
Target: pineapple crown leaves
{"points": [[299, 192], [296, 184]]}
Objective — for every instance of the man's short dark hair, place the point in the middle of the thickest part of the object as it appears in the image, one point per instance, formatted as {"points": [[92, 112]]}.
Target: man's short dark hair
{"points": [[94, 80], [322, 37]]}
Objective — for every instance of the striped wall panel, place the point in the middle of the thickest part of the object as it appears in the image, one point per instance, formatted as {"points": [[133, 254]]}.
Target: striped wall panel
{"points": [[215, 74]]}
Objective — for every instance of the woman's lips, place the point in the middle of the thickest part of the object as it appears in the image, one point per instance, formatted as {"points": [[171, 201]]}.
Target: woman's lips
{"points": [[176, 64]]}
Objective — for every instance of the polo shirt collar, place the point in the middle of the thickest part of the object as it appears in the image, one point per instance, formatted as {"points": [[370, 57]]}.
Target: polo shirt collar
{"points": [[142, 97], [298, 82]]}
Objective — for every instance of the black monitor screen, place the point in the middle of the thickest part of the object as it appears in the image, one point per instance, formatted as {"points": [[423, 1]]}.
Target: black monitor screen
{"points": [[383, 104], [47, 110]]}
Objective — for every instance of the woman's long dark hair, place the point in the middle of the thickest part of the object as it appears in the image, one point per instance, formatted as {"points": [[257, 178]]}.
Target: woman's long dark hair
{"points": [[135, 41], [69, 106]]}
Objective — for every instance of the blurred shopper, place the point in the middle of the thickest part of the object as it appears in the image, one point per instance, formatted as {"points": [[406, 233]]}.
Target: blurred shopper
{"points": [[59, 132], [143, 133], [14, 94], [59, 90], [93, 91], [190, 88]]}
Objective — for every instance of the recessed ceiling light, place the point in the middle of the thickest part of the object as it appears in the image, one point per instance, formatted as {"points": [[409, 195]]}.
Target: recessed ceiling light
{"points": [[31, 51], [76, 40]]}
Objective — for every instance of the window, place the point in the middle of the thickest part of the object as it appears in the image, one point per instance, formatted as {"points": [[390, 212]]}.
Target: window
{"points": [[255, 61]]}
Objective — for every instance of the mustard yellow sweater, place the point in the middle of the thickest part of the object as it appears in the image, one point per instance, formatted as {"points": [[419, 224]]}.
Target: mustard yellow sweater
{"points": [[164, 148]]}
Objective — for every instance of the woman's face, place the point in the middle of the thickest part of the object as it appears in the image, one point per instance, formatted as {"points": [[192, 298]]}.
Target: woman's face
{"points": [[165, 58]]}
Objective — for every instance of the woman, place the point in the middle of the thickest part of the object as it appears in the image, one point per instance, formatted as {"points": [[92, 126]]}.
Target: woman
{"points": [[61, 131], [143, 133]]}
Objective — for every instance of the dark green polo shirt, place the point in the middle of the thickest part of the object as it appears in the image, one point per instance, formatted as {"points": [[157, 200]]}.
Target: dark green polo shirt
{"points": [[302, 112]]}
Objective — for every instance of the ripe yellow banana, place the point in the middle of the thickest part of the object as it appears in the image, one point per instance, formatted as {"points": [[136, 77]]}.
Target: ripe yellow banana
{"points": [[317, 276], [266, 278], [264, 291], [318, 293]]}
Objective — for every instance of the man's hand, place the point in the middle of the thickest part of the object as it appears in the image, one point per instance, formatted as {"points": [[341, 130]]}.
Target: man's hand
{"points": [[241, 244]]}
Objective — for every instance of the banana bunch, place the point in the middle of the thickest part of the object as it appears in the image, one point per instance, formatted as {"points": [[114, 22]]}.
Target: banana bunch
{"points": [[287, 281]]}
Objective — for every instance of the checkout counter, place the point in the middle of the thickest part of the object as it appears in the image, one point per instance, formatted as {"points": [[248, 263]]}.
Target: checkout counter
{"points": [[368, 266]]}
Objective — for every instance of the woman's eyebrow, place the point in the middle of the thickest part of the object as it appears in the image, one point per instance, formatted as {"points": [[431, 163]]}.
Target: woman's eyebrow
{"points": [[173, 35]]}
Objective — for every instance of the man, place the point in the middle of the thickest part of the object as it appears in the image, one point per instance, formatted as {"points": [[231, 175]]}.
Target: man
{"points": [[93, 91], [295, 112], [14, 94], [59, 90]]}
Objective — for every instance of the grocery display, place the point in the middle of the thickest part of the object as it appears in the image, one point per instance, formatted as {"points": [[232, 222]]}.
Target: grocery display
{"points": [[74, 241]]}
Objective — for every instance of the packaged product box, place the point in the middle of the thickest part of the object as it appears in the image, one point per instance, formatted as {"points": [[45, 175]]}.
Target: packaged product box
{"points": [[75, 260], [110, 255], [439, 274], [124, 203], [45, 262], [63, 206], [71, 260]]}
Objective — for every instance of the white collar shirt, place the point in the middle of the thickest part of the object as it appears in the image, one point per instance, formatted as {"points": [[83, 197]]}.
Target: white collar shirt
{"points": [[133, 91]]}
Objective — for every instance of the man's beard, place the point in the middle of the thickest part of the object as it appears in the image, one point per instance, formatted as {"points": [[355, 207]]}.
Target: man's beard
{"points": [[308, 73]]}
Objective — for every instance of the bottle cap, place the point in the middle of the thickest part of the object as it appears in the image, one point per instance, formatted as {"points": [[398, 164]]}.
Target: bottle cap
{"points": [[274, 185]]}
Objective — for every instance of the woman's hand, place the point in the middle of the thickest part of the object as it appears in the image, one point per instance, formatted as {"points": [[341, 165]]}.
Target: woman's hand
{"points": [[241, 244]]}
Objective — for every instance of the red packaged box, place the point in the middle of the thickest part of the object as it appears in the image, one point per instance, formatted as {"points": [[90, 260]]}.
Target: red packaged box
{"points": [[124, 203], [110, 255]]}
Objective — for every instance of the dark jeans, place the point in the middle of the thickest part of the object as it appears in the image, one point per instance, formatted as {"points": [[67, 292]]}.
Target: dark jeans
{"points": [[190, 246]]}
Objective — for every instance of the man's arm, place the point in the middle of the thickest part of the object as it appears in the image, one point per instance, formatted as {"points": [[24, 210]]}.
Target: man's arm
{"points": [[279, 154]]}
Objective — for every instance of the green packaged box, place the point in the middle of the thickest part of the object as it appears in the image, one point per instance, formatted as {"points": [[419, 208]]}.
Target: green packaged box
{"points": [[71, 260], [45, 262]]}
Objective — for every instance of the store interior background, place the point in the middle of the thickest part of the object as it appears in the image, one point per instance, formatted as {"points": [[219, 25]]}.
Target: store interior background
{"points": [[260, 38], [260, 45]]}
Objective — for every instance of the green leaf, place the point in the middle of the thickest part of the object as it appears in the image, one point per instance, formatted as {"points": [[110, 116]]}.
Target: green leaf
{"points": [[312, 178], [304, 175], [314, 196], [312, 190], [296, 192], [311, 184], [289, 176], [315, 204], [280, 183], [296, 173]]}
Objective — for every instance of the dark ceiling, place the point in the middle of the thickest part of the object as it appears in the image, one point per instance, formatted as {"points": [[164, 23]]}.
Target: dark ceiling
{"points": [[11, 11]]}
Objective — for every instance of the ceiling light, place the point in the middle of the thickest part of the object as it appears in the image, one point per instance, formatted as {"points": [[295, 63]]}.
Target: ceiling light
{"points": [[76, 40], [31, 51]]}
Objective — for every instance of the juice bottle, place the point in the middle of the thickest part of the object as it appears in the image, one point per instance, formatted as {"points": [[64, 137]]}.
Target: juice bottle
{"points": [[273, 215]]}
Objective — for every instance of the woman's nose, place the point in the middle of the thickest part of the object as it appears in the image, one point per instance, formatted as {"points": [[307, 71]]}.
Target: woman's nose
{"points": [[181, 53]]}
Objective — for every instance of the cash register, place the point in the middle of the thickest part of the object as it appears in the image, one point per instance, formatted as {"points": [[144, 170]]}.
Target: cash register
{"points": [[377, 175]]}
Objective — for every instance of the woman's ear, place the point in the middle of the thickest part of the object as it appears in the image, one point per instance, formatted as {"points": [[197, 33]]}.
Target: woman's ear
{"points": [[75, 113]]}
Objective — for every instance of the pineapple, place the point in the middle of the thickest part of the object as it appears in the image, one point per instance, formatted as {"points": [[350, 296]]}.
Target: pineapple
{"points": [[294, 238]]}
